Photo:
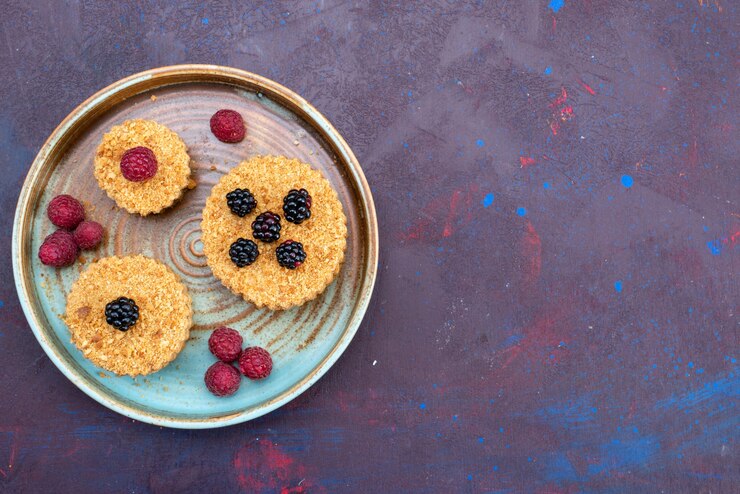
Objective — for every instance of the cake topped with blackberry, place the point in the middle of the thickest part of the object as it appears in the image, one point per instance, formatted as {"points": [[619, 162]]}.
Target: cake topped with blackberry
{"points": [[129, 315]]}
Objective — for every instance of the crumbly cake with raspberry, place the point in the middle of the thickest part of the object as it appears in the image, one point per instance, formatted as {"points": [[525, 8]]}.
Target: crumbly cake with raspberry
{"points": [[263, 280], [172, 166], [162, 326]]}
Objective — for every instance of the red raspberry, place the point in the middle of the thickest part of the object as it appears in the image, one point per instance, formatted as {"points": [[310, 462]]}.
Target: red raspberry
{"points": [[226, 344], [228, 126], [58, 249], [88, 234], [255, 363], [65, 212], [222, 379], [138, 164]]}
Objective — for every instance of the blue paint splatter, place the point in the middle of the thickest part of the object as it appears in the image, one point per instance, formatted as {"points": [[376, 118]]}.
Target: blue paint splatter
{"points": [[488, 200], [501, 429], [548, 70], [556, 5], [546, 185], [282, 22], [204, 21], [470, 477], [480, 439], [691, 365], [406, 145], [480, 143], [627, 181], [409, 94], [618, 286], [521, 211], [2, 304], [715, 247], [495, 468], [422, 406]]}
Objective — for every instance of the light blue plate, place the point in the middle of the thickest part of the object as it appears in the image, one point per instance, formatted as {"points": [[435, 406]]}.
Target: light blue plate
{"points": [[304, 341]]}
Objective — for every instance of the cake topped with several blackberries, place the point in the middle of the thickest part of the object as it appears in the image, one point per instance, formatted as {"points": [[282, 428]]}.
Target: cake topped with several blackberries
{"points": [[129, 315], [274, 231]]}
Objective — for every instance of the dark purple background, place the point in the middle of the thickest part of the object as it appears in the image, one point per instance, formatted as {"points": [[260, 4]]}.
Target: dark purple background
{"points": [[556, 185]]}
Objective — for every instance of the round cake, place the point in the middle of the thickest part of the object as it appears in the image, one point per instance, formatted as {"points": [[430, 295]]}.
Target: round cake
{"points": [[158, 333], [266, 282], [172, 166]]}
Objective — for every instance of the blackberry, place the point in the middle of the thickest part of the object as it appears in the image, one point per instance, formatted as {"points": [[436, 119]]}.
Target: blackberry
{"points": [[266, 227], [290, 254], [122, 313], [241, 202], [243, 252], [297, 206]]}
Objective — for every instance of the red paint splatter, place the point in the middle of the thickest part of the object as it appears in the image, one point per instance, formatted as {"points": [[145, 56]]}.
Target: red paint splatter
{"points": [[587, 87], [527, 161], [554, 24], [13, 447], [561, 111], [531, 250], [450, 214], [261, 465]]}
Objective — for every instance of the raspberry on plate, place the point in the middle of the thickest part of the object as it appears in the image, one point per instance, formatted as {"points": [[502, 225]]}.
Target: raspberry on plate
{"points": [[222, 379], [65, 211], [228, 126], [88, 234], [138, 164], [255, 363], [225, 344], [58, 249]]}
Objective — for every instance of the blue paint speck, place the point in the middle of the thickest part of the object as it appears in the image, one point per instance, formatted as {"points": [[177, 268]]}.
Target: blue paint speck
{"points": [[548, 70], [470, 477], [2, 304], [488, 200], [454, 418], [521, 211], [480, 439], [495, 468], [627, 181], [204, 21], [501, 429], [556, 5], [529, 458], [547, 185], [406, 145], [691, 365], [422, 406], [618, 286], [409, 94], [480, 143], [715, 247], [418, 273], [282, 22]]}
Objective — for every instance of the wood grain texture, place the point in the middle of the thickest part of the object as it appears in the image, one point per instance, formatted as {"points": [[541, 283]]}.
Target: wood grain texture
{"points": [[556, 184]]}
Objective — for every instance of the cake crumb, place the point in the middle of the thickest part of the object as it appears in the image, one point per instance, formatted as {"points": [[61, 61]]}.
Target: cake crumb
{"points": [[153, 97]]}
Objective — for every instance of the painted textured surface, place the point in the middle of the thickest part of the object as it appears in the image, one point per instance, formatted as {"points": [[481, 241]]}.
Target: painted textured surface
{"points": [[556, 184]]}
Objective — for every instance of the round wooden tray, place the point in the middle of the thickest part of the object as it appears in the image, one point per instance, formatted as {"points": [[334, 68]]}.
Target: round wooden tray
{"points": [[305, 341]]}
